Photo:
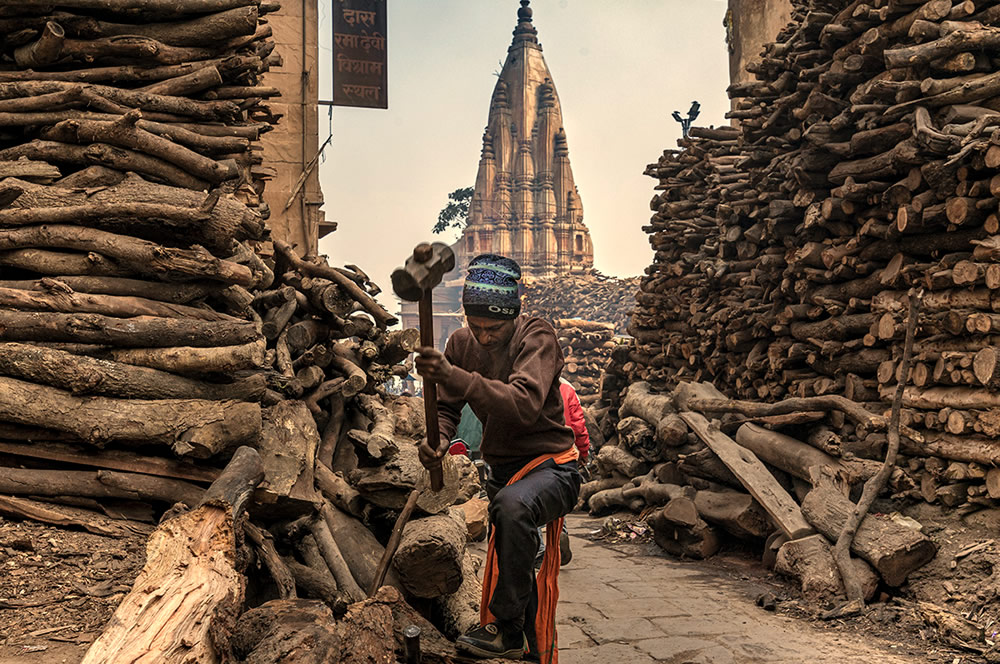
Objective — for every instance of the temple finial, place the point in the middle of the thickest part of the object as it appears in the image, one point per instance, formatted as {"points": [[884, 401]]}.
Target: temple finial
{"points": [[524, 30]]}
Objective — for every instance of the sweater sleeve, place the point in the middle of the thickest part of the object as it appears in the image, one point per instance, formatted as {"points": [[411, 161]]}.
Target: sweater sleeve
{"points": [[520, 400], [449, 402], [576, 421]]}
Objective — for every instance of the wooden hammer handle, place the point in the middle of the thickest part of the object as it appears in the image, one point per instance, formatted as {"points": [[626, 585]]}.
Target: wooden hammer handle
{"points": [[426, 314]]}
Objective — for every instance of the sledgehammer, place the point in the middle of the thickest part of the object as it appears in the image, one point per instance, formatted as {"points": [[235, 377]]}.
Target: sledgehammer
{"points": [[414, 282]]}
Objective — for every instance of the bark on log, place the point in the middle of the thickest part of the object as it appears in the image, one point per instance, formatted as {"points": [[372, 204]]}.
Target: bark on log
{"points": [[289, 631], [738, 513], [190, 359], [680, 530], [124, 134], [287, 446], [458, 612], [892, 549], [191, 427], [97, 484], [810, 562], [141, 256], [113, 460], [430, 555], [64, 516], [137, 331], [83, 375], [790, 455], [191, 559]]}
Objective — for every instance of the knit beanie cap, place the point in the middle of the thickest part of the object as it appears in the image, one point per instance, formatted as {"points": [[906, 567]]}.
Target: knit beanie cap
{"points": [[491, 288]]}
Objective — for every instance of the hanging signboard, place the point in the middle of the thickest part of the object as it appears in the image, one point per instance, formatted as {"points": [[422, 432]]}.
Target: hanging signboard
{"points": [[360, 71]]}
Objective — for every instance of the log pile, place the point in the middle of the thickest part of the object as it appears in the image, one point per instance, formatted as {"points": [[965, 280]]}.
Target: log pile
{"points": [[700, 483], [785, 248], [591, 296], [150, 328], [587, 347]]}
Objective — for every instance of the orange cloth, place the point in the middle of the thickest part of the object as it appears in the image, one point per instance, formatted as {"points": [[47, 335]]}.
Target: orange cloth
{"points": [[548, 575]]}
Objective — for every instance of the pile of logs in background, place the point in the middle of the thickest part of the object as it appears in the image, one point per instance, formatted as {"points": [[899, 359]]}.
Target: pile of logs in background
{"points": [[147, 350], [864, 166], [590, 313], [863, 169], [591, 296]]}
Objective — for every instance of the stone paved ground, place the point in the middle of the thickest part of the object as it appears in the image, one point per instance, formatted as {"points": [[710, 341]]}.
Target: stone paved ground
{"points": [[619, 605]]}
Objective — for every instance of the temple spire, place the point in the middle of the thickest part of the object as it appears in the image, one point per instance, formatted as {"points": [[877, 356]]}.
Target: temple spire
{"points": [[526, 204]]}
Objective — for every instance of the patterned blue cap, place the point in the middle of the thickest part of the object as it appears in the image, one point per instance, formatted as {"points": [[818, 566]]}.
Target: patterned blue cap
{"points": [[491, 288]]}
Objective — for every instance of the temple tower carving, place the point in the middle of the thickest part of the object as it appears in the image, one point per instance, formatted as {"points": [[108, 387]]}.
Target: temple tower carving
{"points": [[525, 203]]}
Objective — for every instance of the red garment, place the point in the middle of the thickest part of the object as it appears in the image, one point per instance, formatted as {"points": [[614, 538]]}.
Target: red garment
{"points": [[573, 412]]}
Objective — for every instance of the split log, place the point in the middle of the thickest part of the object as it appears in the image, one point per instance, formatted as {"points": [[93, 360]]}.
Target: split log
{"points": [[810, 562], [458, 612], [191, 559], [430, 555], [122, 460], [680, 530], [894, 550], [390, 484], [64, 516], [287, 446]]}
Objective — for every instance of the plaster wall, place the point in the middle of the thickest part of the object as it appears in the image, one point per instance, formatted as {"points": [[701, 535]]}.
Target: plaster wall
{"points": [[749, 25], [293, 143]]}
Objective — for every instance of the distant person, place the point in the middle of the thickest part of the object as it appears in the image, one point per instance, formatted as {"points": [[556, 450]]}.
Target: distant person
{"points": [[470, 430]]}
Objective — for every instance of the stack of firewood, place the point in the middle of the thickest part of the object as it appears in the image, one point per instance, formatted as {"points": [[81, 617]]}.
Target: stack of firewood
{"points": [[129, 212], [586, 348], [148, 350], [785, 248], [591, 296]]}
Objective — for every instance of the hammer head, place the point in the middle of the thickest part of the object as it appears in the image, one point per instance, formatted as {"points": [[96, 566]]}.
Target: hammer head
{"points": [[423, 270]]}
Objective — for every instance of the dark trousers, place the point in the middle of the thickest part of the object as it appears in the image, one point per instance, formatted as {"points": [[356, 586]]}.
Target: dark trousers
{"points": [[546, 493]]}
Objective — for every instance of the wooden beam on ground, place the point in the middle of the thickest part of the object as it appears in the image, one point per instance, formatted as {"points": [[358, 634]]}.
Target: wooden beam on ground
{"points": [[753, 475]]}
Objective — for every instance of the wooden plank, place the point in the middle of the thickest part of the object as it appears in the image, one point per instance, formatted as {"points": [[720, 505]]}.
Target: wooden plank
{"points": [[752, 473]]}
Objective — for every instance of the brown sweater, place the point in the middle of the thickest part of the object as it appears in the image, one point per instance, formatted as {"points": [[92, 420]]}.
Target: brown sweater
{"points": [[514, 391]]}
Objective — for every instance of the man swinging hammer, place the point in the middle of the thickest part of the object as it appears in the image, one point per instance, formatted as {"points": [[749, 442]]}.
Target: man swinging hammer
{"points": [[506, 367]]}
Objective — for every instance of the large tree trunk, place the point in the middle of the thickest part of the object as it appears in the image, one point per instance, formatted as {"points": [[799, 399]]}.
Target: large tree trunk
{"points": [[191, 427], [141, 331], [84, 375], [189, 591]]}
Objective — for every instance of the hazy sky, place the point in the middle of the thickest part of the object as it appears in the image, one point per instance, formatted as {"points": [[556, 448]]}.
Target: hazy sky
{"points": [[620, 68]]}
